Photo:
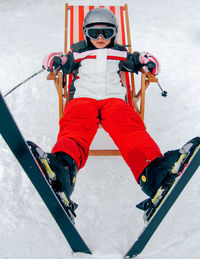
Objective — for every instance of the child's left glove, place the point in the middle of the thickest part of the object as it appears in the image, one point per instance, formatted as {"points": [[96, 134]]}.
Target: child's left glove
{"points": [[145, 58], [53, 62]]}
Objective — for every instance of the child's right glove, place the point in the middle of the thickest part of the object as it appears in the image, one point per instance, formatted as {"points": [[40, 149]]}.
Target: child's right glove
{"points": [[53, 62]]}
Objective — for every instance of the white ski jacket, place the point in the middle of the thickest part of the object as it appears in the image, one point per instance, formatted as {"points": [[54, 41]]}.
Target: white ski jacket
{"points": [[98, 75]]}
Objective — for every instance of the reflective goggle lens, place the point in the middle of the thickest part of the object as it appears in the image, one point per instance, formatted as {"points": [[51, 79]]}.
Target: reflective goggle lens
{"points": [[94, 33]]}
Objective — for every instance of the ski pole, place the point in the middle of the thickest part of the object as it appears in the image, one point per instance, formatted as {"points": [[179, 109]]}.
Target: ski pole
{"points": [[40, 71], [164, 93], [150, 65]]}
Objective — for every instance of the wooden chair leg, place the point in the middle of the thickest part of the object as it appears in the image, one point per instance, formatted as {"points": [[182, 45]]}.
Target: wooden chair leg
{"points": [[142, 101], [60, 95], [58, 84]]}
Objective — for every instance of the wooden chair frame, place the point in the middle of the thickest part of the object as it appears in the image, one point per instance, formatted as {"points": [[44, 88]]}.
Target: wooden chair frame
{"points": [[133, 97]]}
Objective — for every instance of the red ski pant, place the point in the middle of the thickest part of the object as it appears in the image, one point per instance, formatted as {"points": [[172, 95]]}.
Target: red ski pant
{"points": [[80, 123]]}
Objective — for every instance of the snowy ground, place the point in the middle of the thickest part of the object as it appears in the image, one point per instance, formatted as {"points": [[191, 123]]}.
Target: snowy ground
{"points": [[105, 190]]}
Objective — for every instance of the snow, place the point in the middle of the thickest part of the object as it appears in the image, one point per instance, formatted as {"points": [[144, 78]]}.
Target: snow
{"points": [[105, 191]]}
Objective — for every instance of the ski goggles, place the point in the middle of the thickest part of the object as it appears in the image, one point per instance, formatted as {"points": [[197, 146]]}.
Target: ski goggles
{"points": [[95, 32]]}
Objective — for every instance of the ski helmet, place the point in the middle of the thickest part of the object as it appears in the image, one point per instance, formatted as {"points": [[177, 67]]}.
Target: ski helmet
{"points": [[100, 16]]}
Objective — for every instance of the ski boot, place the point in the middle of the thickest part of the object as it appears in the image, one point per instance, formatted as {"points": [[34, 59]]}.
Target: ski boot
{"points": [[60, 171], [159, 177]]}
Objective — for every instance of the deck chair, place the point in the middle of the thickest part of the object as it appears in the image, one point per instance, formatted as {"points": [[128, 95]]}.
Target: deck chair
{"points": [[74, 16]]}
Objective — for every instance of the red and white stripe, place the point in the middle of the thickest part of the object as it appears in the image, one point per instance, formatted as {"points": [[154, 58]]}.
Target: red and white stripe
{"points": [[91, 54]]}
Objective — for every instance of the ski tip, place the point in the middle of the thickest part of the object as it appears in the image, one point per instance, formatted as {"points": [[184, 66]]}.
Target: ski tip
{"points": [[128, 256]]}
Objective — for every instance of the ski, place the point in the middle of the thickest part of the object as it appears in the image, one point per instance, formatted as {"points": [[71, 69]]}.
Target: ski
{"points": [[163, 208], [18, 146]]}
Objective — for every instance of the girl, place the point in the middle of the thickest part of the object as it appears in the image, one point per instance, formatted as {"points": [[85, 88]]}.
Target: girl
{"points": [[97, 96]]}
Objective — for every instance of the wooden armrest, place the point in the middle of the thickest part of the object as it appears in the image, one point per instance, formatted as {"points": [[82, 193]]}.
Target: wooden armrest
{"points": [[51, 76], [150, 76]]}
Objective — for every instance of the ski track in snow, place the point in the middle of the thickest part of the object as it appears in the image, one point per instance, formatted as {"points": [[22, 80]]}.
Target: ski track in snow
{"points": [[105, 191]]}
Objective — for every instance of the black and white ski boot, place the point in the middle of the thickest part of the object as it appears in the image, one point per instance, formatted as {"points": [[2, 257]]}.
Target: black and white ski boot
{"points": [[60, 170], [162, 174]]}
